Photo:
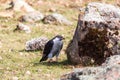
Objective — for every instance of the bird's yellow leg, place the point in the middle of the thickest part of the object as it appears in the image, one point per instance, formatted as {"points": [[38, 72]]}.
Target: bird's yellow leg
{"points": [[50, 60], [56, 59]]}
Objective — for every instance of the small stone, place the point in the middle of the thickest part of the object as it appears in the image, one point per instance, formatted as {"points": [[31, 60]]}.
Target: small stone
{"points": [[110, 45], [52, 10], [23, 27], [1, 58], [11, 50], [15, 78], [39, 70], [21, 53], [8, 68], [92, 61], [28, 73], [47, 75], [40, 2], [66, 5]]}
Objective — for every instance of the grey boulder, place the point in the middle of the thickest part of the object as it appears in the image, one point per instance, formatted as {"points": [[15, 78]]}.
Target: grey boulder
{"points": [[56, 18], [32, 17], [36, 44], [109, 71]]}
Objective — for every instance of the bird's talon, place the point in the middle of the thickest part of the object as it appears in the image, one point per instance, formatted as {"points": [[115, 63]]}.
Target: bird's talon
{"points": [[50, 61]]}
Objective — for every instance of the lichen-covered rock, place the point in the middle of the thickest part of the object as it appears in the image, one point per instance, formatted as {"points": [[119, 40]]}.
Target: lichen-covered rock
{"points": [[36, 44], [21, 5], [108, 71], [98, 73], [97, 35], [113, 60], [22, 27], [101, 12], [56, 18], [32, 17], [88, 73]]}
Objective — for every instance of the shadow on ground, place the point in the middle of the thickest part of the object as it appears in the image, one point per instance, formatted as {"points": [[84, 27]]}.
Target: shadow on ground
{"points": [[29, 50], [64, 63]]}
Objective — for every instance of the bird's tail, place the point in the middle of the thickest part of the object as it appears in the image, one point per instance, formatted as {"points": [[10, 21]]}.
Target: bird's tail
{"points": [[43, 59]]}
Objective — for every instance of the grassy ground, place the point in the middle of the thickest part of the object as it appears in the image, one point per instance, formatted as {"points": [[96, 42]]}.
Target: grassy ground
{"points": [[15, 62]]}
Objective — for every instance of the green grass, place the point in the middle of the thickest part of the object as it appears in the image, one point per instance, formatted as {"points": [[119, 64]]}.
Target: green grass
{"points": [[16, 62]]}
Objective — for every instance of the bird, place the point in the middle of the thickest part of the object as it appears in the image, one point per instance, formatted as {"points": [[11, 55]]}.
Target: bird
{"points": [[52, 48]]}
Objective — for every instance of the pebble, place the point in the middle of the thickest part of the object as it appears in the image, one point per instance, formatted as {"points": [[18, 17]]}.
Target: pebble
{"points": [[15, 78], [28, 73]]}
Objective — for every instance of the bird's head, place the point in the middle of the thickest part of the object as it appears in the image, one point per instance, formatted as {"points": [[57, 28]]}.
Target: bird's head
{"points": [[60, 37]]}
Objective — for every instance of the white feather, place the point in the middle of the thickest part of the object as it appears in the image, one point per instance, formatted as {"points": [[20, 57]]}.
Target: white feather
{"points": [[56, 46]]}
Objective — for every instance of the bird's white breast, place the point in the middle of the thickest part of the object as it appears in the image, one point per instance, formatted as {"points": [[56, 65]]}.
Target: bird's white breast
{"points": [[57, 43], [56, 47]]}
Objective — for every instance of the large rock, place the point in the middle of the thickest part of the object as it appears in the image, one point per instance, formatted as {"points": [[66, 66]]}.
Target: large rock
{"points": [[88, 73], [56, 18], [98, 73], [108, 72], [97, 35], [22, 27], [32, 17], [21, 5], [101, 12], [36, 44], [113, 60]]}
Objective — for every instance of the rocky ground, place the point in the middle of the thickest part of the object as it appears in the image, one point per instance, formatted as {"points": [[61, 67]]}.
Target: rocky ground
{"points": [[110, 70]]}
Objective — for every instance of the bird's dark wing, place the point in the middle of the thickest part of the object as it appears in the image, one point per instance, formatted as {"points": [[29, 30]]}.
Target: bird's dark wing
{"points": [[61, 46], [47, 49]]}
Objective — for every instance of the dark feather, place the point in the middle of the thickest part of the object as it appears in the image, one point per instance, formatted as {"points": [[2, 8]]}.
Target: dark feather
{"points": [[47, 50], [61, 46]]}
